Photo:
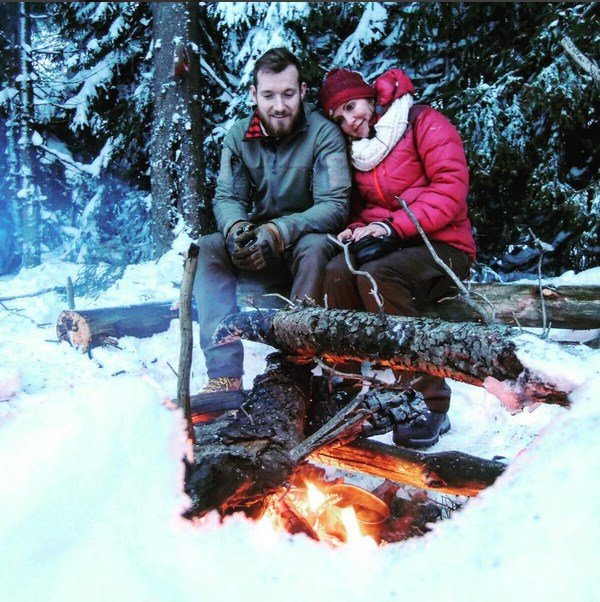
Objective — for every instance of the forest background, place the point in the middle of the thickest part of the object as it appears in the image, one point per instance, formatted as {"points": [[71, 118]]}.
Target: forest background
{"points": [[112, 116]]}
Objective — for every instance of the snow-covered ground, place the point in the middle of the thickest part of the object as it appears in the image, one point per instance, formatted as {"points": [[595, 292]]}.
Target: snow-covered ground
{"points": [[91, 481]]}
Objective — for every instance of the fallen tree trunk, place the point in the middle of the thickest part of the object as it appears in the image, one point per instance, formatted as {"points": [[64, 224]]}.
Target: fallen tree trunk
{"points": [[569, 307], [85, 329], [492, 356], [453, 472]]}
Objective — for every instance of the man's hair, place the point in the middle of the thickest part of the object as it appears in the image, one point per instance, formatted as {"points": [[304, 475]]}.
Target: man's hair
{"points": [[276, 60]]}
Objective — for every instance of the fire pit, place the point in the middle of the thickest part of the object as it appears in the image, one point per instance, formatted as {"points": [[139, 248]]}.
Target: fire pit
{"points": [[339, 513]]}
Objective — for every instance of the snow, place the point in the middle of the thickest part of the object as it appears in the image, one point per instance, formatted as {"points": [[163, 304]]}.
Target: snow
{"points": [[91, 480]]}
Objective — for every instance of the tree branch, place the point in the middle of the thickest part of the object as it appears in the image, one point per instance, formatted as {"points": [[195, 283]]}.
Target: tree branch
{"points": [[588, 65], [487, 318]]}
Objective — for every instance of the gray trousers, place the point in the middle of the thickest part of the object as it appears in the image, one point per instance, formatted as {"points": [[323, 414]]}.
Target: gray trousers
{"points": [[407, 280], [215, 290]]}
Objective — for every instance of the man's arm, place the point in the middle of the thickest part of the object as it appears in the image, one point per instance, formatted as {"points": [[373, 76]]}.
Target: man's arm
{"points": [[331, 190], [231, 202]]}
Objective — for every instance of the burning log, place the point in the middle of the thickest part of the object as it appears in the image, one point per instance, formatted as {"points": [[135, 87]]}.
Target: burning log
{"points": [[483, 355], [453, 472], [243, 456]]}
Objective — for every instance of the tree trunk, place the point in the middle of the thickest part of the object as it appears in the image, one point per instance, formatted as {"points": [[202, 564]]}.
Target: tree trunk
{"points": [[488, 356], [177, 163], [30, 208]]}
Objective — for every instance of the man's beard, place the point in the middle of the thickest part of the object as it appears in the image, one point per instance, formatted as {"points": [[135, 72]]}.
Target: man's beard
{"points": [[279, 129]]}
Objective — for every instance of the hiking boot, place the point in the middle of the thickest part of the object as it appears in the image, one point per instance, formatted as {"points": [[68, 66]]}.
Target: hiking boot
{"points": [[217, 396], [222, 384], [424, 432]]}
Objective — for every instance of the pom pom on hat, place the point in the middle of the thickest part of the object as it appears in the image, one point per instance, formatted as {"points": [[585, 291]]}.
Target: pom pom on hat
{"points": [[340, 86]]}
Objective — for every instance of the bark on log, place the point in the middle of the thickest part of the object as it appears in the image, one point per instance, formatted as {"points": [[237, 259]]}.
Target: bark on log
{"points": [[454, 473], [488, 356], [572, 307]]}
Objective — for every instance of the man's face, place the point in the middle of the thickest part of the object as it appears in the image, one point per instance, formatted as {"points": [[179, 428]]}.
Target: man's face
{"points": [[278, 97]]}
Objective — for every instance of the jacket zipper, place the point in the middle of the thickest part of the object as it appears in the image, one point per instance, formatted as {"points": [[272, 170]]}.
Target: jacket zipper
{"points": [[378, 187]]}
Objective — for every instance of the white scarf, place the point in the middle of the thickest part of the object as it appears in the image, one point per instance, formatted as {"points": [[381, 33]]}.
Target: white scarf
{"points": [[369, 152]]}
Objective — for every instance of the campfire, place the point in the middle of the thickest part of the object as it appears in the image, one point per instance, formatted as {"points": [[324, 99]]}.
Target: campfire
{"points": [[339, 513]]}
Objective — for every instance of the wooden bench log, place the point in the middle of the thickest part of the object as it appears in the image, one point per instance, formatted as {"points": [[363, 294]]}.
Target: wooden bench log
{"points": [[567, 307], [570, 307]]}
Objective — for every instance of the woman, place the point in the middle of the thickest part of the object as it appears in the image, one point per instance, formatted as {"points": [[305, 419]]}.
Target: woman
{"points": [[412, 152]]}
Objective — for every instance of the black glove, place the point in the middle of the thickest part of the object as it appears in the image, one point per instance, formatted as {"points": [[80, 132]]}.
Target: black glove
{"points": [[257, 247], [236, 230], [371, 247]]}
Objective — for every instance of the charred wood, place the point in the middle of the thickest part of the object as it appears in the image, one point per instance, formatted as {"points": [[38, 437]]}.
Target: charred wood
{"points": [[453, 472], [243, 456], [246, 455]]}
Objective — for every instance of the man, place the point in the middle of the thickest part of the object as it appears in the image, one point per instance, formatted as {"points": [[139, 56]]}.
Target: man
{"points": [[284, 183]]}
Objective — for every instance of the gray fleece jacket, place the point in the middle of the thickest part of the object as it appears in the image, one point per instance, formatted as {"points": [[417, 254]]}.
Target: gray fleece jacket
{"points": [[301, 183]]}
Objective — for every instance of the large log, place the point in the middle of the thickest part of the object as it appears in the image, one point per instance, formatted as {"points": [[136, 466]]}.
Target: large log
{"points": [[567, 307], [491, 356]]}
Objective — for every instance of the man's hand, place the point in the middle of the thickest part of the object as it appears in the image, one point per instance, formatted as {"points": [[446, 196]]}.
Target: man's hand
{"points": [[234, 232], [256, 254]]}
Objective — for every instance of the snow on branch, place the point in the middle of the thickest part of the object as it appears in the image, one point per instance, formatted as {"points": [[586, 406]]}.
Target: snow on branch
{"points": [[371, 28], [588, 65]]}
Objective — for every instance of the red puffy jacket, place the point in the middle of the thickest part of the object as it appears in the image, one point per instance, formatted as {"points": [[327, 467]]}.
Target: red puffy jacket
{"points": [[428, 169]]}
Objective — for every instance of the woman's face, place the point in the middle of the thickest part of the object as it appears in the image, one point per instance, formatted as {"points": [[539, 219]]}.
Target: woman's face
{"points": [[354, 117]]}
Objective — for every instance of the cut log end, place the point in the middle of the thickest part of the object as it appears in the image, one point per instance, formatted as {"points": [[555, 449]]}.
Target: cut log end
{"points": [[74, 328]]}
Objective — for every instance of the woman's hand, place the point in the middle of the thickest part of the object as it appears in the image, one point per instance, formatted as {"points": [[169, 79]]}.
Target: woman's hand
{"points": [[376, 230], [345, 235]]}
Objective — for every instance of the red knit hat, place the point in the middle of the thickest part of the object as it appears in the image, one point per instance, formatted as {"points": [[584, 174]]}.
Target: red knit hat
{"points": [[340, 86]]}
